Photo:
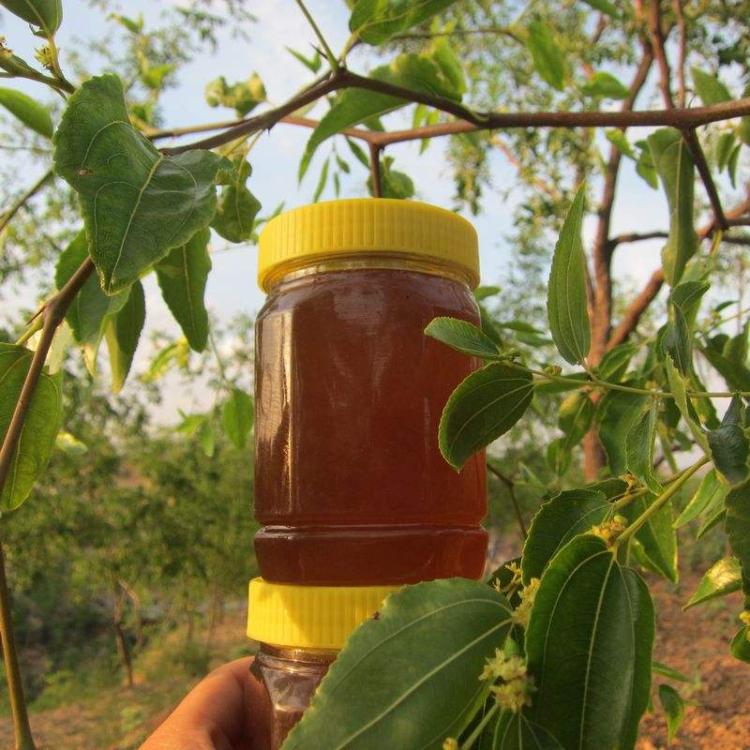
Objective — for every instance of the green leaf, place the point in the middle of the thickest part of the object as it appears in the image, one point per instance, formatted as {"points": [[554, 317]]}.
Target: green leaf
{"points": [[137, 204], [604, 6], [639, 447], [740, 647], [549, 60], [617, 138], [515, 732], [566, 515], [674, 709], [600, 617], [710, 492], [182, 277], [450, 64], [666, 671], [376, 21], [729, 445], [322, 180], [737, 525], [481, 409], [675, 167], [238, 416], [709, 88], [237, 207], [736, 376], [43, 419], [311, 63], [395, 184], [614, 364], [686, 297], [605, 85], [243, 96], [122, 333], [28, 111], [462, 336], [722, 578], [408, 678], [566, 298], [657, 537], [618, 413], [678, 387], [91, 308], [46, 14]]}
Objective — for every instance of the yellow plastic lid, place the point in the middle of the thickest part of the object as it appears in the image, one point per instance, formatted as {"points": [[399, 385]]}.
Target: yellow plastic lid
{"points": [[381, 226], [320, 617]]}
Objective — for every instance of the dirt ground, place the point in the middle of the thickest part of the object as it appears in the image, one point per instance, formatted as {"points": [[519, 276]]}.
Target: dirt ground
{"points": [[694, 642]]}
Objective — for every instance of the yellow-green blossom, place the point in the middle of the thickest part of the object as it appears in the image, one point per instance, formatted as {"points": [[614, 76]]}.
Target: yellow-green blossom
{"points": [[522, 612]]}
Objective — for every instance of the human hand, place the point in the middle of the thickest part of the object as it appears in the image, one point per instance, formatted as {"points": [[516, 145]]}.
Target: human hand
{"points": [[223, 712]]}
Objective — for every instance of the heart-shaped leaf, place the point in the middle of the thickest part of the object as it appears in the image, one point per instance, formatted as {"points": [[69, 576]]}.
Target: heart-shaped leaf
{"points": [[137, 204], [237, 207]]}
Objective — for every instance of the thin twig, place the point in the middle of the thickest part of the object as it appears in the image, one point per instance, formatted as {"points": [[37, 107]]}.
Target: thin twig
{"points": [[657, 44], [332, 61], [682, 51], [375, 171], [510, 484], [705, 173], [8, 216]]}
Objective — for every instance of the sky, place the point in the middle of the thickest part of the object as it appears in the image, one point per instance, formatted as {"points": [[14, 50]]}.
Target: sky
{"points": [[232, 288]]}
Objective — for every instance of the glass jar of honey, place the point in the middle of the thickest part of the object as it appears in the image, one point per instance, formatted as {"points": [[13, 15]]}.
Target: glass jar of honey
{"points": [[350, 487]]}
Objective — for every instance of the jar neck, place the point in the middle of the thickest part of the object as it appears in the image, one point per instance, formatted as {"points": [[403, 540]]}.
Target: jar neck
{"points": [[370, 261], [311, 656]]}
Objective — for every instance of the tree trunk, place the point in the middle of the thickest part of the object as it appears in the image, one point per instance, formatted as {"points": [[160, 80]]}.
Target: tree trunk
{"points": [[121, 641]]}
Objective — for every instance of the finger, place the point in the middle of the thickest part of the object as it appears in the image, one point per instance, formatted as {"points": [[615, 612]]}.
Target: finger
{"points": [[215, 715]]}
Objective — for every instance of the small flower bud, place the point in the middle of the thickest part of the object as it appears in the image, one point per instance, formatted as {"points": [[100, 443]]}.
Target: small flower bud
{"points": [[45, 57], [451, 743], [522, 612], [609, 531]]}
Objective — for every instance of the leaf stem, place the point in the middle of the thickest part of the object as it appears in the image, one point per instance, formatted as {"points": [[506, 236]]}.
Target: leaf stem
{"points": [[660, 501], [479, 728], [332, 61]]}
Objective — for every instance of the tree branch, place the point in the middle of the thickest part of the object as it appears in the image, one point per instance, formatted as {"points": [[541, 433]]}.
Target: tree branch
{"points": [[640, 304], [468, 119]]}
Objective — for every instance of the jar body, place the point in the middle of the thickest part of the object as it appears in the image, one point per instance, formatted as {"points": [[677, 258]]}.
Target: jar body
{"points": [[289, 678], [350, 485]]}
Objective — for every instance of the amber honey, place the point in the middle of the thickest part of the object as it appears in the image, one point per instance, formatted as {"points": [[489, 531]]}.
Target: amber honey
{"points": [[350, 486]]}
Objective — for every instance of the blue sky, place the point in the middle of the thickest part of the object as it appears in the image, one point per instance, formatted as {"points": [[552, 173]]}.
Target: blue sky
{"points": [[232, 285]]}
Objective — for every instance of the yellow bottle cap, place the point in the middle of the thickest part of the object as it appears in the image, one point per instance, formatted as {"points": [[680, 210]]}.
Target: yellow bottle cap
{"points": [[362, 226], [320, 617]]}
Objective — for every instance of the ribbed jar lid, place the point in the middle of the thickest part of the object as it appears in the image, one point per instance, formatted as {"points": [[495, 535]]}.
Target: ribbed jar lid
{"points": [[319, 617], [379, 226]]}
